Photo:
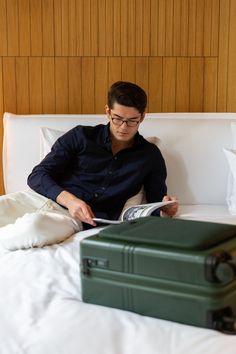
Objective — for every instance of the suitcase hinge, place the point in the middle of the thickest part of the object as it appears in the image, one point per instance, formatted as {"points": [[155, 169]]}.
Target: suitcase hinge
{"points": [[222, 320], [89, 263], [220, 267]]}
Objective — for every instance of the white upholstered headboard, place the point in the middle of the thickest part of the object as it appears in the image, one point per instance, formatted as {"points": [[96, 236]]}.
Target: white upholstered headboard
{"points": [[191, 144]]}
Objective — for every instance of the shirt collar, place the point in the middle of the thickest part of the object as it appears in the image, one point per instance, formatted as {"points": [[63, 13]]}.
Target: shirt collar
{"points": [[138, 139]]}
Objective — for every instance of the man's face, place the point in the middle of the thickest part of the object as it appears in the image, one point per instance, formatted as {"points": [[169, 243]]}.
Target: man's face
{"points": [[124, 121]]}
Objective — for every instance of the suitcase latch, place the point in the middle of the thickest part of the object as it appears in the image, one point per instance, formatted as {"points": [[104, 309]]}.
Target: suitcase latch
{"points": [[89, 263], [220, 267]]}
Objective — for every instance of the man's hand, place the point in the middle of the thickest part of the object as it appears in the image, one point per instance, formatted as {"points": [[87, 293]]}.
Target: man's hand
{"points": [[77, 208], [171, 209]]}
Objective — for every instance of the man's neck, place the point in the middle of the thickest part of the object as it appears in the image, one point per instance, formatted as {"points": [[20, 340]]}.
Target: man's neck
{"points": [[120, 145]]}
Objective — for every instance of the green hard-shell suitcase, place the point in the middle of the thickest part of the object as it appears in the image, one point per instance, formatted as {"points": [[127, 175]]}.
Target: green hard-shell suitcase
{"points": [[178, 270]]}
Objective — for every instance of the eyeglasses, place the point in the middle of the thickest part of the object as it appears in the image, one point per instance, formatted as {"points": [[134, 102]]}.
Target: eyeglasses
{"points": [[129, 122]]}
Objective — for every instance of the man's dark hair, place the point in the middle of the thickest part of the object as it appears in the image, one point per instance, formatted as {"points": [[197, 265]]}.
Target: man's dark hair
{"points": [[127, 94]]}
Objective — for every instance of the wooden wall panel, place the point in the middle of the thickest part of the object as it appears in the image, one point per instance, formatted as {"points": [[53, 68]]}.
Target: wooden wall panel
{"points": [[231, 99], [36, 28], [169, 84], [61, 56], [35, 85], [24, 27], [75, 85], [196, 84], [9, 84], [22, 85], [61, 85], [182, 84], [3, 28], [155, 78], [48, 85], [210, 85]]}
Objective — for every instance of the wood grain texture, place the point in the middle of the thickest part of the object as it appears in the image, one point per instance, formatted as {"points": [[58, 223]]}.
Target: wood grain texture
{"points": [[35, 85], [231, 99], [22, 85], [3, 28]]}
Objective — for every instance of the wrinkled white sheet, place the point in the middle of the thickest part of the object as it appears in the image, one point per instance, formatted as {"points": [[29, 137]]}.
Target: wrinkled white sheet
{"points": [[41, 313]]}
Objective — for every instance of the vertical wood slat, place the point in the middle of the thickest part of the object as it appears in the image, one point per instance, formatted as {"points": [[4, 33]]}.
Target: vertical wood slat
{"points": [[128, 69], [79, 27], [24, 27], [155, 84], [114, 70], [36, 36], [141, 74], [169, 84], [207, 27], [102, 28], [9, 84], [117, 28], [215, 28], [3, 28], [94, 27], [1, 89], [131, 28], [223, 56], [35, 85], [192, 28], [75, 86], [58, 27], [61, 85], [184, 27], [88, 85], [48, 27], [109, 28], [22, 85], [169, 25], [139, 27], [65, 27], [87, 28], [177, 28], [182, 84], [210, 84], [48, 84], [124, 28], [72, 28], [196, 84], [101, 78], [161, 28], [146, 27], [154, 27], [231, 99], [12, 28], [199, 27]]}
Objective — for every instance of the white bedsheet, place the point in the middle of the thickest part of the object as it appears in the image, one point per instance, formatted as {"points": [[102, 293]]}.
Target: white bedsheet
{"points": [[41, 313]]}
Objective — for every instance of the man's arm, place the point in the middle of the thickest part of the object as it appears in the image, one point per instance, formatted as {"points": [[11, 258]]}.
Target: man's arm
{"points": [[43, 177], [155, 185], [77, 208]]}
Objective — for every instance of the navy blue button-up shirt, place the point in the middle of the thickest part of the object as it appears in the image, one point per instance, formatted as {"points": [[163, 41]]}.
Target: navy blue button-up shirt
{"points": [[82, 163]]}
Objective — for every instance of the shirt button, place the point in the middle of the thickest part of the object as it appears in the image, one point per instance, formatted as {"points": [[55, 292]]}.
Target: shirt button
{"points": [[115, 158], [110, 172], [95, 195], [103, 188]]}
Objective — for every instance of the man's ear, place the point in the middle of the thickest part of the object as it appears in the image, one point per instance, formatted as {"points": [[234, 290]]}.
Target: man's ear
{"points": [[142, 117], [107, 110]]}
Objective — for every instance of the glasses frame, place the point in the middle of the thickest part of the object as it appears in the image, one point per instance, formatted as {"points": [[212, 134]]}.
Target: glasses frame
{"points": [[129, 122]]}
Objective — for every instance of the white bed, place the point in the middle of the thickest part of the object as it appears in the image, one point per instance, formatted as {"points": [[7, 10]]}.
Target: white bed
{"points": [[41, 311]]}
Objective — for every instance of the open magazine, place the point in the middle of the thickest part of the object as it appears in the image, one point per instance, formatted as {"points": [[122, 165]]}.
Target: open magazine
{"points": [[135, 211]]}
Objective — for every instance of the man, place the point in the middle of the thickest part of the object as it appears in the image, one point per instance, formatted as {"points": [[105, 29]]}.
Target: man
{"points": [[92, 171]]}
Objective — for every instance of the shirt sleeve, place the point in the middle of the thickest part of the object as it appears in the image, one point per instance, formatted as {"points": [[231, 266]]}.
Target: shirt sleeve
{"points": [[43, 178], [155, 182]]}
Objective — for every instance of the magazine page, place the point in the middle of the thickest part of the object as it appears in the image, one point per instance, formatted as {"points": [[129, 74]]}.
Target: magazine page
{"points": [[137, 211]]}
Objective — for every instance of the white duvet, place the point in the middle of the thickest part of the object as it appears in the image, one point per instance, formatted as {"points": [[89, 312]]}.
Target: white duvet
{"points": [[41, 312]]}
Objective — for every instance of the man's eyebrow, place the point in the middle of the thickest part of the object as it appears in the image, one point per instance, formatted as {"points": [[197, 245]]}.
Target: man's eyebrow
{"points": [[117, 115]]}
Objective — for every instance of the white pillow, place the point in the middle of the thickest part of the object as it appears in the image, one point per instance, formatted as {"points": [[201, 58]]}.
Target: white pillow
{"points": [[47, 138], [231, 187]]}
